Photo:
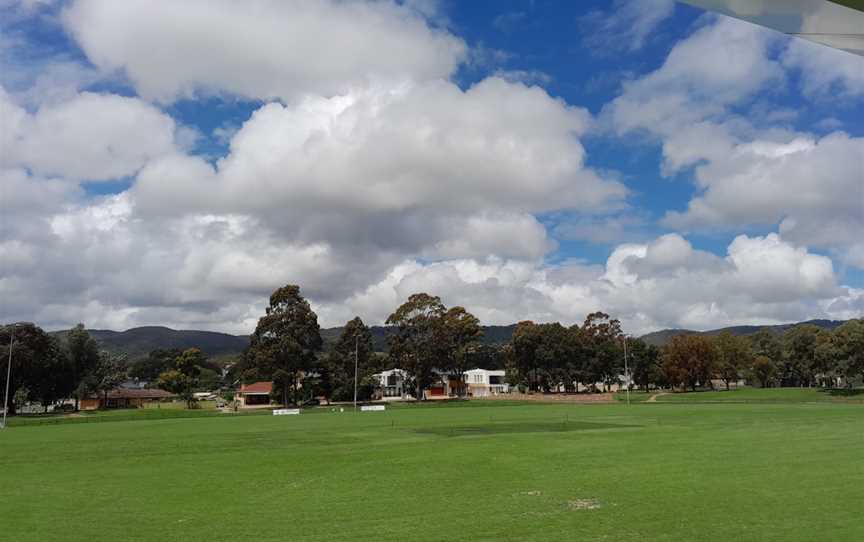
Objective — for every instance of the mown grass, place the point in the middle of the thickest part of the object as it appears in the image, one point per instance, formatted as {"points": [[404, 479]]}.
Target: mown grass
{"points": [[766, 395], [170, 411], [635, 396], [454, 471]]}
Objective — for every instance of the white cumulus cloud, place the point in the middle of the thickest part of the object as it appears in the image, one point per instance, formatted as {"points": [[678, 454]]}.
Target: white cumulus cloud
{"points": [[261, 49], [811, 188], [88, 137]]}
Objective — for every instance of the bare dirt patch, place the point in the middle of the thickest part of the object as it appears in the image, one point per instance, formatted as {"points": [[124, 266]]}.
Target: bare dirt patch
{"points": [[533, 493], [583, 504]]}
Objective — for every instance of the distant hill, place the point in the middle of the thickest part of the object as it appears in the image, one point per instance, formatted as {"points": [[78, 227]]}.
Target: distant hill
{"points": [[140, 341], [660, 338], [491, 335]]}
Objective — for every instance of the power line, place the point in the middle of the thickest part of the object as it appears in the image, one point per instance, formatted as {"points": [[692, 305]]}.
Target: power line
{"points": [[832, 34]]}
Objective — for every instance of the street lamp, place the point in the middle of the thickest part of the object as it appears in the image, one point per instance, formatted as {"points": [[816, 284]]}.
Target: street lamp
{"points": [[356, 349], [8, 372], [626, 371]]}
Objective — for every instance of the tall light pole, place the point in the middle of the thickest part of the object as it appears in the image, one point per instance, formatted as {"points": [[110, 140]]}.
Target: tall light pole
{"points": [[356, 357], [8, 373], [626, 371]]}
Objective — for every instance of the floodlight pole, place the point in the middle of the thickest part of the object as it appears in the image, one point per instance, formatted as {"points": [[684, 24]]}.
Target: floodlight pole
{"points": [[356, 357], [626, 370], [8, 375]]}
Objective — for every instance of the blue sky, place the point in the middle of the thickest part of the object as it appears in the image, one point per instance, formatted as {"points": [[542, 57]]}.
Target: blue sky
{"points": [[528, 159]]}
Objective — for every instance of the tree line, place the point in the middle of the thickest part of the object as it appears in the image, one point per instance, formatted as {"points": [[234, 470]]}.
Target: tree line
{"points": [[286, 348], [49, 370], [552, 357], [430, 341], [46, 370]]}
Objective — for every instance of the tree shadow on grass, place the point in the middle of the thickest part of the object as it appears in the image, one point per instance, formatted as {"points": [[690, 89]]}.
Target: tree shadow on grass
{"points": [[498, 428], [846, 392]]}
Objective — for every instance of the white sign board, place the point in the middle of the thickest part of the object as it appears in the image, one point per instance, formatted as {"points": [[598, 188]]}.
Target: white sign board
{"points": [[372, 408], [285, 411]]}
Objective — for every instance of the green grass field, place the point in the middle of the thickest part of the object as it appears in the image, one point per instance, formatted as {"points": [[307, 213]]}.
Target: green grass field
{"points": [[659, 471], [752, 395]]}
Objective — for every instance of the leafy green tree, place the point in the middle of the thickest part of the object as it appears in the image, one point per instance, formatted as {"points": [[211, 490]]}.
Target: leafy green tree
{"points": [[733, 357], [209, 380], [83, 356], [546, 356], [763, 370], [110, 371], [644, 361], [459, 333], [689, 361], [285, 342], [766, 343], [523, 355], [556, 357], [337, 374], [190, 362], [183, 379], [22, 395], [415, 343], [486, 356], [604, 348], [53, 376], [157, 362], [178, 383], [40, 365], [849, 341], [827, 360], [799, 360], [578, 368]]}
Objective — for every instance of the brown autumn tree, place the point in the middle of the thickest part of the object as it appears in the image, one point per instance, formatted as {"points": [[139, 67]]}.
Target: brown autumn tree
{"points": [[689, 361], [763, 370]]}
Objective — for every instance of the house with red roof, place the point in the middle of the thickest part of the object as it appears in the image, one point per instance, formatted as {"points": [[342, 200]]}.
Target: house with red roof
{"points": [[125, 398], [255, 394]]}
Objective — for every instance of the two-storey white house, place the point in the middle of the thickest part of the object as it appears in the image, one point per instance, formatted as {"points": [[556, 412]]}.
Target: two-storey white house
{"points": [[484, 382], [392, 384]]}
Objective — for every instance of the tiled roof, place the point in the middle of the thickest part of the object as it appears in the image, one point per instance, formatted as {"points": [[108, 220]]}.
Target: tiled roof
{"points": [[257, 387], [125, 393]]}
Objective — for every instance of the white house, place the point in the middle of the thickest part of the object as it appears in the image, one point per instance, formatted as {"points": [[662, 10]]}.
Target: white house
{"points": [[392, 384], [482, 382]]}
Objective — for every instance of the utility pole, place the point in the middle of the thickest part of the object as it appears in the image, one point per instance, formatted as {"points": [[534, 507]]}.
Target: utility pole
{"points": [[8, 375], [356, 358], [626, 371]]}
